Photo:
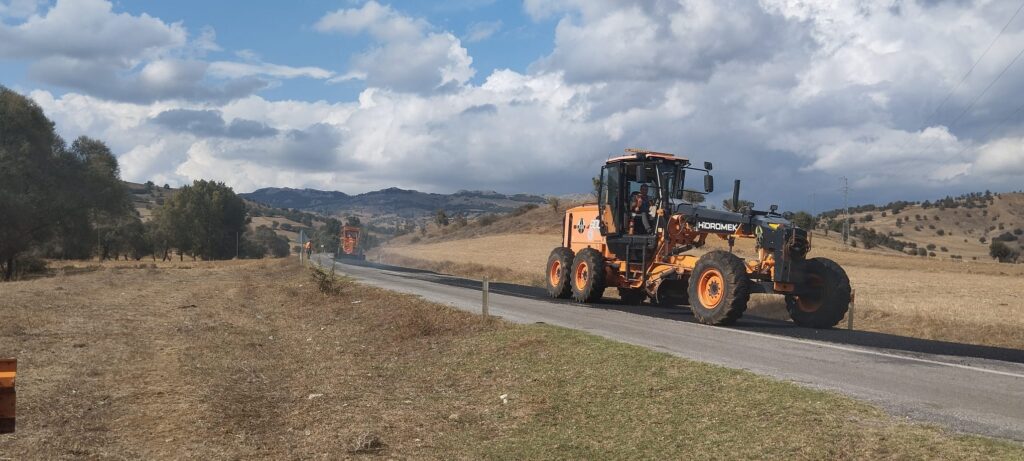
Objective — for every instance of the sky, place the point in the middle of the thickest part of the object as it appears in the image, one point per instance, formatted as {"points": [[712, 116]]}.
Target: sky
{"points": [[906, 99]]}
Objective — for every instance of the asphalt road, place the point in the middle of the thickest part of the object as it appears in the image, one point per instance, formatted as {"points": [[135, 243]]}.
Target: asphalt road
{"points": [[967, 388]]}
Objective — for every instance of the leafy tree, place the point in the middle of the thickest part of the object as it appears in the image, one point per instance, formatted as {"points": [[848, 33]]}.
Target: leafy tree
{"points": [[204, 220], [29, 185], [1002, 252], [53, 199], [693, 197], [802, 219], [727, 204], [440, 218], [352, 221], [554, 203]]}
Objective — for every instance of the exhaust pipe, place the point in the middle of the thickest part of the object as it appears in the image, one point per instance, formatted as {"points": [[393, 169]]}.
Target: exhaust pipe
{"points": [[736, 195]]}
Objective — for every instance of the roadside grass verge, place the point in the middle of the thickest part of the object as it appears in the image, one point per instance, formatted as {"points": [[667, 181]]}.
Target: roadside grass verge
{"points": [[251, 360]]}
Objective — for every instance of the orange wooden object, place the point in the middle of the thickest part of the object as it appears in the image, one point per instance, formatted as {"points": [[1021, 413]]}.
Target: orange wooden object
{"points": [[8, 370]]}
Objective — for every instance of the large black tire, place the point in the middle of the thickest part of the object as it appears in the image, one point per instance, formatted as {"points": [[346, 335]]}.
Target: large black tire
{"points": [[719, 288], [827, 307], [558, 269], [632, 296], [588, 278]]}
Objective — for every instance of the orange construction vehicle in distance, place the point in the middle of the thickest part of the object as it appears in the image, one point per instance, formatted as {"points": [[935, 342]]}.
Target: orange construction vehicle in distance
{"points": [[350, 248]]}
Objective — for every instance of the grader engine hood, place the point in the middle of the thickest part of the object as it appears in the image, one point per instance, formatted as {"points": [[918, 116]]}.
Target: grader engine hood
{"points": [[713, 221]]}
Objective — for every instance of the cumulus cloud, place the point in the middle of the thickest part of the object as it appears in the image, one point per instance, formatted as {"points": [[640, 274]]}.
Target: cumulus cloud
{"points": [[785, 95], [209, 123], [408, 55], [85, 46]]}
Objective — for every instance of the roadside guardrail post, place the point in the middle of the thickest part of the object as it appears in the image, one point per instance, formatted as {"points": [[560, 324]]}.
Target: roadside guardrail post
{"points": [[486, 290], [8, 370], [849, 313]]}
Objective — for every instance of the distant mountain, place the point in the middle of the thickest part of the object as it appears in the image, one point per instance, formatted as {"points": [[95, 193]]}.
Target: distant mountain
{"points": [[392, 202]]}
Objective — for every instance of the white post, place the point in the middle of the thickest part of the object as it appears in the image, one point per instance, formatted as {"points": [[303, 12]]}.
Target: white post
{"points": [[486, 290], [849, 313]]}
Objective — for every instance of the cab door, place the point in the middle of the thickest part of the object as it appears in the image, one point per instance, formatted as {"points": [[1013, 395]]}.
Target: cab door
{"points": [[609, 200]]}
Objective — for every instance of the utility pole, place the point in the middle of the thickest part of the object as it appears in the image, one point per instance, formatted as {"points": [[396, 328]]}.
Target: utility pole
{"points": [[846, 210]]}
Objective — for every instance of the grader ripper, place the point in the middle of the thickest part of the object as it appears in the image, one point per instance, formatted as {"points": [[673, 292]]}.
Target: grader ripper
{"points": [[645, 251]]}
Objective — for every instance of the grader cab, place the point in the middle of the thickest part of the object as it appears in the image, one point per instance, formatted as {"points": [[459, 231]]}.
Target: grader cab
{"points": [[644, 239]]}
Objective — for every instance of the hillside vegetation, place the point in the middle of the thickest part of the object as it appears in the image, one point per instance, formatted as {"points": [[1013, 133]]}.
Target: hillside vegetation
{"points": [[958, 228]]}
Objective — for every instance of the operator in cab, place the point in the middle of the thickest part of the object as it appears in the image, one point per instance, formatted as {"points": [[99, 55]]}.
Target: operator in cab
{"points": [[640, 209]]}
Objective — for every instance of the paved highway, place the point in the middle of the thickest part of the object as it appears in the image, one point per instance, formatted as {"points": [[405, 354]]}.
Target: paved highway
{"points": [[973, 389]]}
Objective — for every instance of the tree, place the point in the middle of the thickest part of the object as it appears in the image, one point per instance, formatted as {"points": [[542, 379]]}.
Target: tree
{"points": [[802, 219], [693, 197], [352, 221], [29, 147], [554, 203], [1002, 252], [727, 204], [52, 198], [440, 218], [204, 220]]}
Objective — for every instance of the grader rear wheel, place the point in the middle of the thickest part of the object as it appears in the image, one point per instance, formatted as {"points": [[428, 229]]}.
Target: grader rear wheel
{"points": [[719, 288], [588, 281], [558, 268]]}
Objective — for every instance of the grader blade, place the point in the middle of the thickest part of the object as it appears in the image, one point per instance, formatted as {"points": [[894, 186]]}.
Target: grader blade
{"points": [[8, 370]]}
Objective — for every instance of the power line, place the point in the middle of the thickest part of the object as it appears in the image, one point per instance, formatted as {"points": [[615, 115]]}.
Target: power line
{"points": [[975, 101], [975, 65]]}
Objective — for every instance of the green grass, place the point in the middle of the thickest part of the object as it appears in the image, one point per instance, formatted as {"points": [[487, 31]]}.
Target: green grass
{"points": [[576, 396]]}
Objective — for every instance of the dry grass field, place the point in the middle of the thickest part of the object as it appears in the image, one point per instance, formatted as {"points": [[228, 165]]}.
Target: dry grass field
{"points": [[247, 360], [969, 302]]}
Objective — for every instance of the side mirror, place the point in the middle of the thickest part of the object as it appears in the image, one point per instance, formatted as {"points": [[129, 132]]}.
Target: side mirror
{"points": [[709, 183], [707, 166], [773, 208]]}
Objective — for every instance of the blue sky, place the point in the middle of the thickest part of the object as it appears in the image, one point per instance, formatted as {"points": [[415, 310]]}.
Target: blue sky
{"points": [[907, 99], [283, 33]]}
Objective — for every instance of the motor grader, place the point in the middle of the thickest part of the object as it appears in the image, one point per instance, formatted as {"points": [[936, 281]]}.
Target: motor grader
{"points": [[350, 247], [645, 240]]}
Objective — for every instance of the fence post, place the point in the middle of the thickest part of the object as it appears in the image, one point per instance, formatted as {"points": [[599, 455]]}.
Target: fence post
{"points": [[486, 290], [849, 313]]}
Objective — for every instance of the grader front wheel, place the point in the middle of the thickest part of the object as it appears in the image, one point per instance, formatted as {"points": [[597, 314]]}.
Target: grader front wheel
{"points": [[827, 295], [719, 288]]}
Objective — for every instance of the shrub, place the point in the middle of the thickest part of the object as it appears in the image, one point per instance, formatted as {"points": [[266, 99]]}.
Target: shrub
{"points": [[487, 220], [932, 254], [922, 252], [1002, 252], [982, 239], [944, 249], [532, 206], [940, 232], [931, 246]]}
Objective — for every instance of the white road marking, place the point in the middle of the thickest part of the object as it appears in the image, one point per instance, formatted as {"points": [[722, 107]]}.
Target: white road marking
{"points": [[800, 341], [871, 352]]}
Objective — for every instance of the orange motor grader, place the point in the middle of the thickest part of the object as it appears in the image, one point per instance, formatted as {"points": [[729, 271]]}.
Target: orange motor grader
{"points": [[641, 237], [350, 248]]}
